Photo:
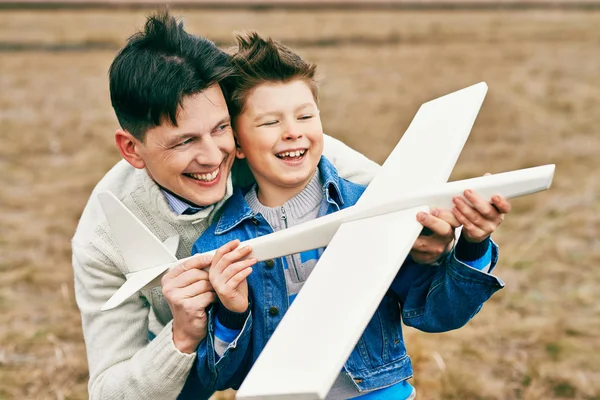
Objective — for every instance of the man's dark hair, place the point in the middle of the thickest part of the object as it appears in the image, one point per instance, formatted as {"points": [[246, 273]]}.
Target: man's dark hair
{"points": [[157, 69], [260, 60]]}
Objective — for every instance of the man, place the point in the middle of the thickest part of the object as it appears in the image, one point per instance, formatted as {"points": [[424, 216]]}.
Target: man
{"points": [[167, 88]]}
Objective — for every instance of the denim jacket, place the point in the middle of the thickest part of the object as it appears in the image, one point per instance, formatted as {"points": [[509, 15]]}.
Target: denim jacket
{"points": [[430, 298]]}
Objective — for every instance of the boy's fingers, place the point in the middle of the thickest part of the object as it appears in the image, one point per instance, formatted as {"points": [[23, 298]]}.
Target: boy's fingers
{"points": [[236, 255], [238, 278], [467, 211], [234, 268], [446, 215], [471, 229], [481, 205], [502, 205], [222, 252], [436, 225]]}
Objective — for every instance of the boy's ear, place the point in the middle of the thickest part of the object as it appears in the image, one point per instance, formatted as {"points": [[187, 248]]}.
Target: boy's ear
{"points": [[239, 153], [129, 148]]}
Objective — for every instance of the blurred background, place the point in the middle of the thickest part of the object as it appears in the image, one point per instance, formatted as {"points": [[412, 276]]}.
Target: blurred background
{"points": [[536, 339]]}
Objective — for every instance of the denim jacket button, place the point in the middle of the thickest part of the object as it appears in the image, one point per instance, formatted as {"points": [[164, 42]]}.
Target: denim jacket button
{"points": [[269, 263], [273, 311]]}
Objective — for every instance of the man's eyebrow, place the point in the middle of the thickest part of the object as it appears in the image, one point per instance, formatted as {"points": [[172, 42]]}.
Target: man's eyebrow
{"points": [[222, 121], [184, 136], [179, 138]]}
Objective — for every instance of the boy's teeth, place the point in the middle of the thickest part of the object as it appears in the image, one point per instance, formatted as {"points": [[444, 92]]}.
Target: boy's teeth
{"points": [[296, 153]]}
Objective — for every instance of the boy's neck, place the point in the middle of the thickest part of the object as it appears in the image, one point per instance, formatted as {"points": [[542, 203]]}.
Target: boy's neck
{"points": [[276, 196]]}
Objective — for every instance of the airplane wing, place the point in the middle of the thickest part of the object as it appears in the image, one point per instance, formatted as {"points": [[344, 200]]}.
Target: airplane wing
{"points": [[341, 295]]}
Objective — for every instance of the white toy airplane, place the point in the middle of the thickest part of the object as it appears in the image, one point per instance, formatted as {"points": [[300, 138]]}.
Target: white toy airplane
{"points": [[366, 244]]}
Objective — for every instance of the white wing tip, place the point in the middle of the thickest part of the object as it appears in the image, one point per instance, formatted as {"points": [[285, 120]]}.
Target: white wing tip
{"points": [[551, 170]]}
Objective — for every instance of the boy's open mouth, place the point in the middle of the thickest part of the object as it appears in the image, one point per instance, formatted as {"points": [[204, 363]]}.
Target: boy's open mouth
{"points": [[291, 155]]}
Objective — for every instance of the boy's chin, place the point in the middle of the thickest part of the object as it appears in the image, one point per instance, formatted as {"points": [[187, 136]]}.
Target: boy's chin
{"points": [[295, 181]]}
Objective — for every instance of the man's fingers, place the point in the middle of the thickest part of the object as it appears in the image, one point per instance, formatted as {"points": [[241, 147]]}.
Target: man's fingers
{"points": [[437, 225], [195, 289], [197, 261], [189, 277], [203, 300]]}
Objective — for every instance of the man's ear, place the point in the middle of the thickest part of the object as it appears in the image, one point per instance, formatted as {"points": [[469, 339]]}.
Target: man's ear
{"points": [[129, 148]]}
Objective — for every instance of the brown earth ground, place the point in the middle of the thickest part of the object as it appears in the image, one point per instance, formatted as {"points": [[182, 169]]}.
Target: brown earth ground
{"points": [[536, 339]]}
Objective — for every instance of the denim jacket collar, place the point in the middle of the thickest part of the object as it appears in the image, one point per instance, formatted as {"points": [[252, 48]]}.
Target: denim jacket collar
{"points": [[237, 210]]}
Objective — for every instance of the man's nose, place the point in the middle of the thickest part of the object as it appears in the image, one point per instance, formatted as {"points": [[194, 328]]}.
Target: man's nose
{"points": [[292, 131], [209, 153]]}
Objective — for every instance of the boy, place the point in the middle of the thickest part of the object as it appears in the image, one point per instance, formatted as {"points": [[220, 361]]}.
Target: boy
{"points": [[278, 130]]}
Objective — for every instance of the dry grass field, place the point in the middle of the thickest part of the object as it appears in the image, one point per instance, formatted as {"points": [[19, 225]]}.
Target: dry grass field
{"points": [[536, 339]]}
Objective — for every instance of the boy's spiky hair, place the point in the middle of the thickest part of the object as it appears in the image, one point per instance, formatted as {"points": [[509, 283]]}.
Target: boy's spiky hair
{"points": [[260, 60]]}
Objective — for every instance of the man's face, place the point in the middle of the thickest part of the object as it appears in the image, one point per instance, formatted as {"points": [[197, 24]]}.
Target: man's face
{"points": [[280, 134], [193, 160]]}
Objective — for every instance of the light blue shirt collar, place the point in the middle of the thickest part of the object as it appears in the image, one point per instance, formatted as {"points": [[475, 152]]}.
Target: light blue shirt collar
{"points": [[179, 206]]}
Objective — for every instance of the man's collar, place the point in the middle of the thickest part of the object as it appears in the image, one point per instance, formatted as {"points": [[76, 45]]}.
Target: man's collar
{"points": [[178, 205]]}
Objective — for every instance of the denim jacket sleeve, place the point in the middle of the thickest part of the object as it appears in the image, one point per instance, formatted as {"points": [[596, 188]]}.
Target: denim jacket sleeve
{"points": [[444, 297], [227, 371]]}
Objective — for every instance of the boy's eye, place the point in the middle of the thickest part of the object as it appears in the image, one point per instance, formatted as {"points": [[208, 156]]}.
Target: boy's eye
{"points": [[306, 116], [269, 123]]}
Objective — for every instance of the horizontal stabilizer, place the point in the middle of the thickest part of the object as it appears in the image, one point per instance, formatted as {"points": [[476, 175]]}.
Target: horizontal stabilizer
{"points": [[141, 249]]}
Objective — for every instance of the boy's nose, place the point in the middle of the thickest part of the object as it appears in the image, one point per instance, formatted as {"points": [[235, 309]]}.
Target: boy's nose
{"points": [[292, 132]]}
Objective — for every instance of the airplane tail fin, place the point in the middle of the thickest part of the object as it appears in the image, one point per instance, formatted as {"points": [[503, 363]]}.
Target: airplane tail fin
{"points": [[145, 255]]}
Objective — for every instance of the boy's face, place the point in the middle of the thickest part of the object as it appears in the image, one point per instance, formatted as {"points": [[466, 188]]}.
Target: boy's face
{"points": [[280, 134], [193, 160]]}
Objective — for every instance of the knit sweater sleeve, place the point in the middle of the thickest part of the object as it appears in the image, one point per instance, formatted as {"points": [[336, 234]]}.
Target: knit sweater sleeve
{"points": [[123, 364], [351, 164]]}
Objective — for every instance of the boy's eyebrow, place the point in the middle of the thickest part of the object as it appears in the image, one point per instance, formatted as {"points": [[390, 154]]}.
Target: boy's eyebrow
{"points": [[301, 106]]}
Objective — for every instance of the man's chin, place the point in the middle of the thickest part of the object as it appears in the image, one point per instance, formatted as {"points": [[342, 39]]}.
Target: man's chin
{"points": [[208, 199]]}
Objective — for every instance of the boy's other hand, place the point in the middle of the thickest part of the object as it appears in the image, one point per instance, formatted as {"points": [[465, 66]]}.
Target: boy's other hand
{"points": [[228, 273], [437, 238], [188, 292], [481, 219]]}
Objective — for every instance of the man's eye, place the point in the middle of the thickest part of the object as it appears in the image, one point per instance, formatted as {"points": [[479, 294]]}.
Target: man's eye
{"points": [[223, 127], [188, 141]]}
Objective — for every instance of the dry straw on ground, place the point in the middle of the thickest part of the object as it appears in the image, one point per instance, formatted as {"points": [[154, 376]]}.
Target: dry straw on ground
{"points": [[536, 339]]}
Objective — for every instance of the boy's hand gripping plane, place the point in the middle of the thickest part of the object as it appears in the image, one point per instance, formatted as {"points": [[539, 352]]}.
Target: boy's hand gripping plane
{"points": [[366, 245]]}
